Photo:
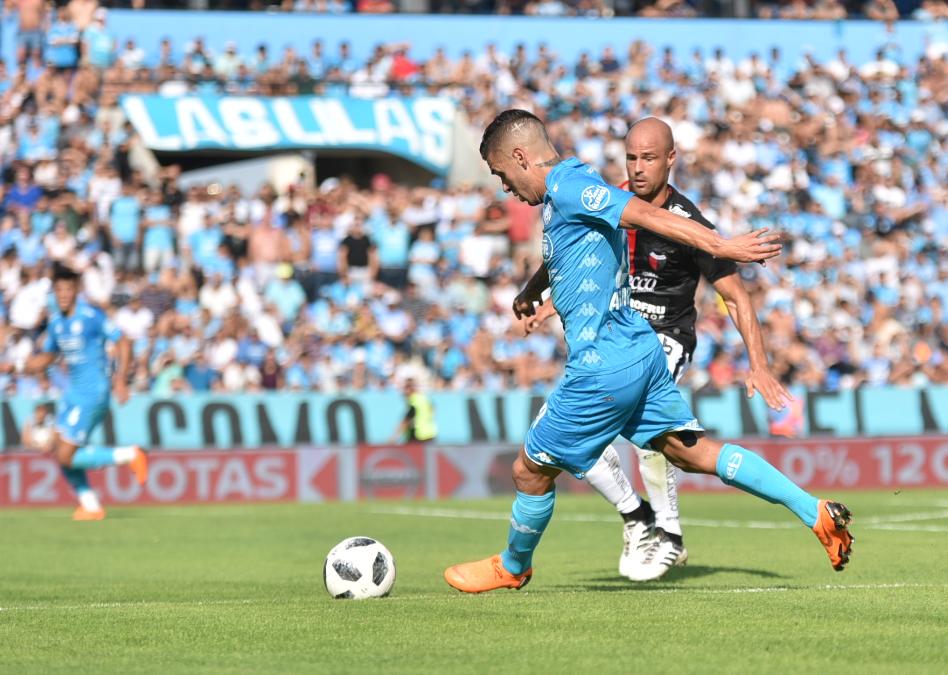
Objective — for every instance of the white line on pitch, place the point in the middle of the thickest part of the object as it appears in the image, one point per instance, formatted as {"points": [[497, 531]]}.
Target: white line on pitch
{"points": [[873, 523], [144, 604], [904, 517]]}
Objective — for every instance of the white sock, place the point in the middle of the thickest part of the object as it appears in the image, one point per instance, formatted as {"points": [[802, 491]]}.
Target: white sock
{"points": [[661, 485], [610, 481], [123, 454], [89, 500]]}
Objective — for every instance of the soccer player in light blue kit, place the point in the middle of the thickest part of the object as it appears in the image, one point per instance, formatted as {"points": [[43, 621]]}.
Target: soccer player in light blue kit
{"points": [[616, 380], [79, 332]]}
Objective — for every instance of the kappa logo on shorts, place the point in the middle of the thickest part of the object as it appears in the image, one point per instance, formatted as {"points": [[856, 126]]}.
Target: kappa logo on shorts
{"points": [[595, 197], [547, 247], [543, 457]]}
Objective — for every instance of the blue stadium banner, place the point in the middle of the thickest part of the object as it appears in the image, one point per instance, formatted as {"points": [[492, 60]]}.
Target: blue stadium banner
{"points": [[417, 129], [294, 419]]}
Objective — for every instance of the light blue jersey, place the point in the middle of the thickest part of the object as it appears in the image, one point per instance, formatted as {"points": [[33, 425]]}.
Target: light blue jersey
{"points": [[616, 380], [587, 257], [81, 340]]}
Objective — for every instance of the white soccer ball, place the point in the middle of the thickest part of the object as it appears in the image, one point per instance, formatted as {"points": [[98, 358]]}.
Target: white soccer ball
{"points": [[358, 568]]}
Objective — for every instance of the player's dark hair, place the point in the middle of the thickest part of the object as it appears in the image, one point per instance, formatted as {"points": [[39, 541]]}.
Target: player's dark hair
{"points": [[63, 273], [503, 123]]}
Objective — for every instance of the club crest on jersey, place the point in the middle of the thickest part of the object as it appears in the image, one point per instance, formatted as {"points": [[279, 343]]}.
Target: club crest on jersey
{"points": [[76, 327], [547, 213], [547, 247], [595, 197], [657, 260]]}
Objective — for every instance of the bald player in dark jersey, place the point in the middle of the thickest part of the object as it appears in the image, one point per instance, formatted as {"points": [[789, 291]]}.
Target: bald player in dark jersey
{"points": [[663, 276]]}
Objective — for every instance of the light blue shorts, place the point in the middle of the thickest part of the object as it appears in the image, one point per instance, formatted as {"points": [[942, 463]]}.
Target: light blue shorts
{"points": [[76, 421], [585, 413]]}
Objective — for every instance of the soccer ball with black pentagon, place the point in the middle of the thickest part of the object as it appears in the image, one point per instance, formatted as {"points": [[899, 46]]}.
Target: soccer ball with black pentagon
{"points": [[359, 568]]}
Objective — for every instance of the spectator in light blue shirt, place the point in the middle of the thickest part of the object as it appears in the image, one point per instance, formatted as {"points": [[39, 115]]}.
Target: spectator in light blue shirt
{"points": [[391, 237], [62, 42], [98, 44], [324, 252], [286, 293], [125, 215], [41, 220], [158, 243]]}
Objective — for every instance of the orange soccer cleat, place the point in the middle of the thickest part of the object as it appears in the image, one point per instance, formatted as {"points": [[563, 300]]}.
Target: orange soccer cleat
{"points": [[82, 514], [485, 575], [832, 521], [139, 465]]}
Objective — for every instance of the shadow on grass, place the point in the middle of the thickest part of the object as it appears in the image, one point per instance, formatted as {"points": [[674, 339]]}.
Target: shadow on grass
{"points": [[618, 583]]}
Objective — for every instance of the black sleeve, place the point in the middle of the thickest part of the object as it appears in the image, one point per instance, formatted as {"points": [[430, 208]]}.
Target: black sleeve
{"points": [[409, 414], [711, 268]]}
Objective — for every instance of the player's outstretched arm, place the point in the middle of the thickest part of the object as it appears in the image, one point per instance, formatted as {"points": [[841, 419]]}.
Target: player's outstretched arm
{"points": [[741, 309], [36, 363], [754, 246], [123, 360], [531, 293]]}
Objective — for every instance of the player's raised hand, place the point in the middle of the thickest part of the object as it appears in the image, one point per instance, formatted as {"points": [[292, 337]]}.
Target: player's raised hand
{"points": [[755, 246], [774, 393], [523, 303]]}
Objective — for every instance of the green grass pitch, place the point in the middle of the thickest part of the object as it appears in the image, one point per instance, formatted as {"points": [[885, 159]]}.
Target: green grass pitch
{"points": [[239, 589]]}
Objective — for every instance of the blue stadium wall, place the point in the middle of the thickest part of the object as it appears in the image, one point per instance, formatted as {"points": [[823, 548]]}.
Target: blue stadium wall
{"points": [[294, 419], [456, 34]]}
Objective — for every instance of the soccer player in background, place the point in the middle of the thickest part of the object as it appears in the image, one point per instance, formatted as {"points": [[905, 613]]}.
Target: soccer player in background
{"points": [[663, 279], [78, 332], [616, 380]]}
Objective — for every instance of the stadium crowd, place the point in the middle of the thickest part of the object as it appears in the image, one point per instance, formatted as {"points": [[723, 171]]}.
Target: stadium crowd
{"points": [[336, 285], [876, 10]]}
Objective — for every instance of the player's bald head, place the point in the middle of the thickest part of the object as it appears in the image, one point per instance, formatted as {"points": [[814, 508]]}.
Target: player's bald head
{"points": [[511, 128], [653, 131]]}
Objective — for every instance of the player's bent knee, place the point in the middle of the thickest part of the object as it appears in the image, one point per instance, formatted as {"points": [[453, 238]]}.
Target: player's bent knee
{"points": [[689, 451], [531, 478], [64, 452]]}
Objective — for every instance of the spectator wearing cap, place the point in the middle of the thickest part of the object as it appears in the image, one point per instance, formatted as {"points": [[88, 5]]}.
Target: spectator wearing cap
{"points": [[286, 294], [98, 44], [228, 63]]}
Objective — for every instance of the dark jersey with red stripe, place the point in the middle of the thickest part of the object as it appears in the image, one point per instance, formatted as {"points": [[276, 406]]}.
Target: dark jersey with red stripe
{"points": [[663, 274]]}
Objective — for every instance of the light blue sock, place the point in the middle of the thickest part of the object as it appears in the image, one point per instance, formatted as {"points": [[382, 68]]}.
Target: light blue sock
{"points": [[528, 519], [93, 457], [77, 479], [751, 473]]}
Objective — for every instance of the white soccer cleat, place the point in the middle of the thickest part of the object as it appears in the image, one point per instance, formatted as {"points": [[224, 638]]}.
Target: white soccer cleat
{"points": [[658, 558], [639, 537]]}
